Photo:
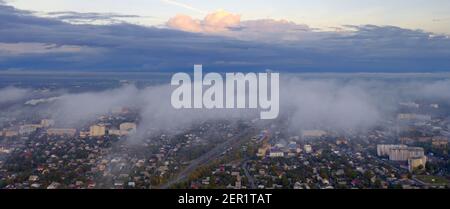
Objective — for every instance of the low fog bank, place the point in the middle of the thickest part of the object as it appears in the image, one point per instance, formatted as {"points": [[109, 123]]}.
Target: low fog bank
{"points": [[308, 103], [12, 94]]}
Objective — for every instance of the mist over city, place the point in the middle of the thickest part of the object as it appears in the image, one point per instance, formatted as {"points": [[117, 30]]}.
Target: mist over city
{"points": [[348, 103], [85, 95]]}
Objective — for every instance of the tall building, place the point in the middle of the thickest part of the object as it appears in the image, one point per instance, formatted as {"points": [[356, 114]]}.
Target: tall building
{"points": [[385, 149], [276, 152], [307, 148], [28, 128], [405, 153], [412, 116], [439, 142], [127, 128], [47, 123], [415, 156], [416, 162], [114, 132], [409, 104], [84, 134], [97, 130], [313, 133], [10, 133], [61, 132]]}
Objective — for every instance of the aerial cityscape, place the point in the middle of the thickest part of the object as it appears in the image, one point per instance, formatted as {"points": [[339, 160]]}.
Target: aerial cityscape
{"points": [[85, 95], [122, 144]]}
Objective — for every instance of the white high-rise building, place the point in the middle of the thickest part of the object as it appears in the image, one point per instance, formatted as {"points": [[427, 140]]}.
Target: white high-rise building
{"points": [[405, 153], [384, 149]]}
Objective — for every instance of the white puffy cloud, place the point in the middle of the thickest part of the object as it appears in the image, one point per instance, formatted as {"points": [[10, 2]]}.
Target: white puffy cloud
{"points": [[185, 23], [215, 22], [220, 21], [228, 24]]}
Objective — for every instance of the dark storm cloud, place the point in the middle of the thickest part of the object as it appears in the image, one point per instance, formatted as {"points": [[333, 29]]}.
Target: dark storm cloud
{"points": [[128, 47]]}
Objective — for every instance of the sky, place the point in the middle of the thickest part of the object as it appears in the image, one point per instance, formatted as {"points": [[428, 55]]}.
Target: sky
{"points": [[430, 15], [246, 35]]}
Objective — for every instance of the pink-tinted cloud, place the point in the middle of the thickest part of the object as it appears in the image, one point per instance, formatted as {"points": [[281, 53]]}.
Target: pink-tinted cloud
{"points": [[228, 24], [185, 23], [218, 21]]}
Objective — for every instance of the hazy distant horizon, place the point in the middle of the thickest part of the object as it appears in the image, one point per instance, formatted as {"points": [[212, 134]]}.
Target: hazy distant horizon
{"points": [[221, 41]]}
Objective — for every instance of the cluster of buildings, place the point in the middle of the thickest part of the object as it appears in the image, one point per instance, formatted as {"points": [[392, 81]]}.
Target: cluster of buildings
{"points": [[312, 159], [413, 116], [226, 176], [47, 162], [323, 163], [97, 130], [292, 148], [26, 129], [313, 134], [415, 156]]}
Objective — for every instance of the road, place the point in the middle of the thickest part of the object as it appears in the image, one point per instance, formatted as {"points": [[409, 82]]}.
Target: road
{"points": [[247, 174], [205, 158]]}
